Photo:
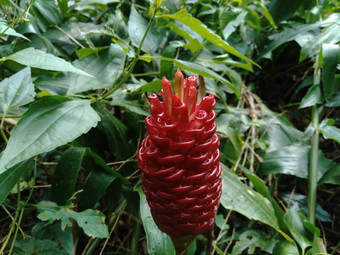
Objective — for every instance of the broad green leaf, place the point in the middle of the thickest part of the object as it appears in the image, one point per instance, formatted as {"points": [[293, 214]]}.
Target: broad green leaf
{"points": [[48, 123], [291, 160], [65, 175], [329, 131], [312, 97], [193, 45], [261, 187], [157, 241], [99, 179], [198, 69], [12, 176], [63, 6], [137, 28], [32, 245], [49, 10], [239, 197], [294, 221], [267, 15], [286, 248], [17, 90], [283, 9], [115, 133], [42, 60], [142, 87], [330, 59], [53, 232], [312, 46], [106, 68], [120, 98], [91, 221], [4, 29], [331, 176], [234, 24], [197, 26], [249, 240], [302, 202], [298, 31]]}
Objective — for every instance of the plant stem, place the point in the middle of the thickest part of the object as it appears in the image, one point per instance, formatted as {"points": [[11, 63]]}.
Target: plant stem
{"points": [[134, 60], [313, 169], [6, 239]]}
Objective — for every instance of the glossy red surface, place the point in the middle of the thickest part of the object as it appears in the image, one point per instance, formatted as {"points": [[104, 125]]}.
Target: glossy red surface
{"points": [[179, 159]]}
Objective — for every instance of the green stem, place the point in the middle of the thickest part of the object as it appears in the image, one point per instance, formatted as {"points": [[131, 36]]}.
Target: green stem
{"points": [[13, 222], [313, 169], [135, 236], [108, 93]]}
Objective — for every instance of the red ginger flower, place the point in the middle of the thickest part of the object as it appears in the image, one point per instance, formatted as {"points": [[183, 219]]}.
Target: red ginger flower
{"points": [[179, 160]]}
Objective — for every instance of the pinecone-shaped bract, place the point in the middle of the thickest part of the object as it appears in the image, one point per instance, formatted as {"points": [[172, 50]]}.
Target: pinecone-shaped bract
{"points": [[179, 160]]}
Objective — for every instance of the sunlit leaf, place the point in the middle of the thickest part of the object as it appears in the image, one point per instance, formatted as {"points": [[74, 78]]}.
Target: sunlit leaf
{"points": [[48, 123], [106, 68], [137, 28], [197, 26], [40, 59], [239, 197], [17, 90]]}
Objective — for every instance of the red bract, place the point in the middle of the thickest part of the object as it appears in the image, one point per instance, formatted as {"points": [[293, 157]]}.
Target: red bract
{"points": [[179, 160]]}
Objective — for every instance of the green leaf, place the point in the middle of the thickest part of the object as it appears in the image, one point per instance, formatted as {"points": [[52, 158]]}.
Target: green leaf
{"points": [[53, 232], [198, 69], [267, 15], [329, 131], [312, 46], [302, 202], [115, 133], [157, 241], [91, 221], [120, 98], [137, 28], [197, 26], [286, 248], [49, 123], [330, 58], [250, 240], [104, 2], [35, 246], [312, 97], [193, 45], [294, 221], [299, 31], [261, 187], [16, 90], [99, 179], [65, 175], [12, 176], [283, 9], [4, 29], [42, 60], [106, 68], [49, 10], [291, 160], [239, 197]]}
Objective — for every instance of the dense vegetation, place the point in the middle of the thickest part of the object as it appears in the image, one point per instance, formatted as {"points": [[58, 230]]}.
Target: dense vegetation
{"points": [[74, 81]]}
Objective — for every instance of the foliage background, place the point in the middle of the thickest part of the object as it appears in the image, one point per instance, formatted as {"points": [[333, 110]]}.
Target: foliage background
{"points": [[74, 81]]}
